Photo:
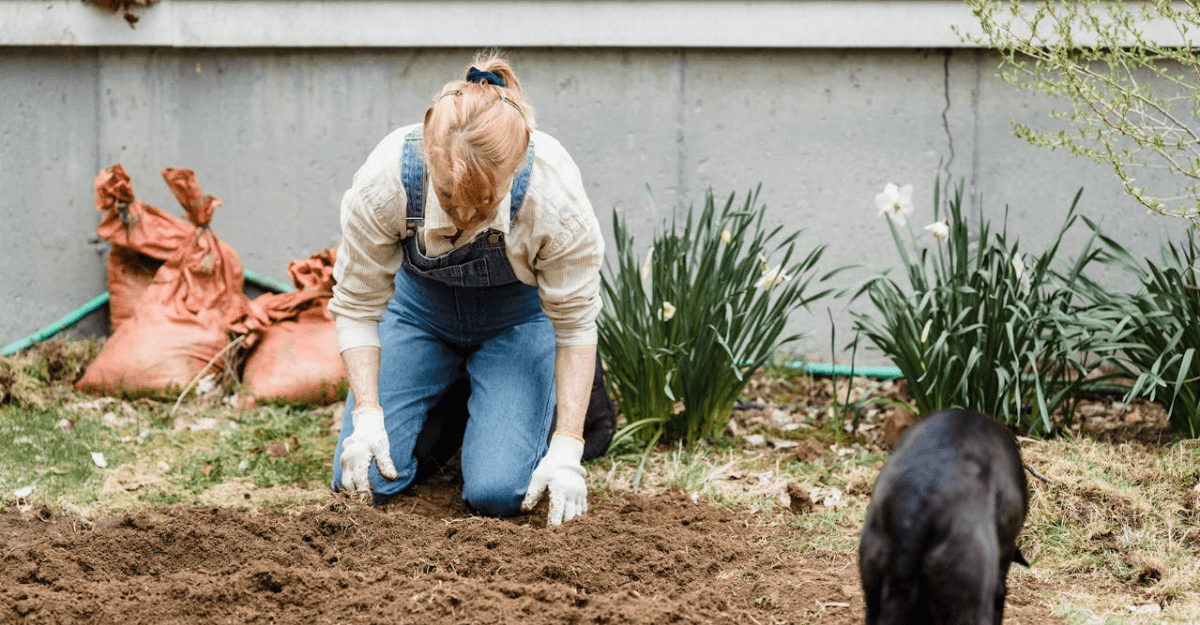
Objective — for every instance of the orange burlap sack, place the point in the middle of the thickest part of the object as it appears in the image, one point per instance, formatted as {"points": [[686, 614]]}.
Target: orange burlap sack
{"points": [[179, 324], [142, 237], [292, 339]]}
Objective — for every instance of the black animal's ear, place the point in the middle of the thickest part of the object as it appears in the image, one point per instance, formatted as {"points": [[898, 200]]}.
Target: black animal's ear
{"points": [[1019, 558]]}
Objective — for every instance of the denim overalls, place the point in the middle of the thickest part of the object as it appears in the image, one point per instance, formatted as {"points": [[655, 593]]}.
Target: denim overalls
{"points": [[464, 309]]}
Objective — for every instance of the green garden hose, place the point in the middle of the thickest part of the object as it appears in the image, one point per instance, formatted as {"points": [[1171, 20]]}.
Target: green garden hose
{"points": [[71, 319], [823, 368], [271, 284]]}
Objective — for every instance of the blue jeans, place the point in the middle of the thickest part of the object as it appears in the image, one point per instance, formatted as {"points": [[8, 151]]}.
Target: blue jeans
{"points": [[429, 333]]}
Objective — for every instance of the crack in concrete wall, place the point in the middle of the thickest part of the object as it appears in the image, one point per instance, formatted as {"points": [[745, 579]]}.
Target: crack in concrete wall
{"points": [[679, 78], [946, 114]]}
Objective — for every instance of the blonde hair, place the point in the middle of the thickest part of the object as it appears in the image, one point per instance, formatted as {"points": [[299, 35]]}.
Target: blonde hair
{"points": [[476, 133]]}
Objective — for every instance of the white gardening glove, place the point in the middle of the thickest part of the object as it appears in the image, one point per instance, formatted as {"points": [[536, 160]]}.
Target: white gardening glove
{"points": [[562, 473], [368, 440]]}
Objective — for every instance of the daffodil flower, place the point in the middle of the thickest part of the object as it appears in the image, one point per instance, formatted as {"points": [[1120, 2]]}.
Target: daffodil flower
{"points": [[1018, 265], [668, 311], [771, 277], [646, 264], [726, 236], [939, 229], [895, 202]]}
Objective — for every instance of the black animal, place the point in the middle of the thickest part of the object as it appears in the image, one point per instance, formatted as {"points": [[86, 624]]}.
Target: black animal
{"points": [[941, 529]]}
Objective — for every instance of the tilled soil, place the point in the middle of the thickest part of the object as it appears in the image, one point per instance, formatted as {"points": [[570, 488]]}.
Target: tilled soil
{"points": [[424, 559]]}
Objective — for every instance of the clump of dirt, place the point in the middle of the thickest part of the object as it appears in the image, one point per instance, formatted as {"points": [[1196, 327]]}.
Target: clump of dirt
{"points": [[41, 376], [633, 559]]}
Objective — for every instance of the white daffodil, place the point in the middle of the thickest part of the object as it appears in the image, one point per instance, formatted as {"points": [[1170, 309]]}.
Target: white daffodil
{"points": [[939, 229], [668, 311], [895, 202], [646, 264], [1018, 265], [771, 277], [726, 236]]}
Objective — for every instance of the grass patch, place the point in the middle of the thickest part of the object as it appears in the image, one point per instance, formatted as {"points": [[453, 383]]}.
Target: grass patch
{"points": [[156, 453], [269, 446], [51, 451], [1122, 519], [154, 461]]}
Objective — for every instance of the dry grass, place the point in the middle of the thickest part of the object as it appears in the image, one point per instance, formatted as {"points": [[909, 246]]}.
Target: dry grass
{"points": [[1122, 523]]}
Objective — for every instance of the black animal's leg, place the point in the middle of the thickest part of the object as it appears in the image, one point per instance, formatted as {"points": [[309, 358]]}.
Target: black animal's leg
{"points": [[871, 560], [1001, 591], [961, 577]]}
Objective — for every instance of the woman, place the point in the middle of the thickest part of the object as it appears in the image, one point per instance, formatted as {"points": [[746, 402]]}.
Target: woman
{"points": [[468, 242]]}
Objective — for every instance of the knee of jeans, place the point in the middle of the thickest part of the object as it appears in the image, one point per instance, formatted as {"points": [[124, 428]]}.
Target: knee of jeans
{"points": [[495, 498]]}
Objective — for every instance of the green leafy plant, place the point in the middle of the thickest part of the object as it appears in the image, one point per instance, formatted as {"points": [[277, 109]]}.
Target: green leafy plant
{"points": [[682, 332], [1156, 329], [1127, 72], [988, 329]]}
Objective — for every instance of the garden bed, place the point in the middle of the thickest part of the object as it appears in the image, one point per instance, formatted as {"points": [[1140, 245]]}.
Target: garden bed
{"points": [[633, 559]]}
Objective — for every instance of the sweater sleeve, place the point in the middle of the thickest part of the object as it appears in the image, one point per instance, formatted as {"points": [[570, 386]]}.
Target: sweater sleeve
{"points": [[568, 248], [373, 221]]}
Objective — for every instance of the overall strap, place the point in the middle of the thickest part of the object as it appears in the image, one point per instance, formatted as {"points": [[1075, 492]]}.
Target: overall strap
{"points": [[521, 183], [412, 174]]}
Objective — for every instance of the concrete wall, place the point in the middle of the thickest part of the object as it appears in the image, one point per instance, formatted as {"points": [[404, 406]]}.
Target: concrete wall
{"points": [[276, 133]]}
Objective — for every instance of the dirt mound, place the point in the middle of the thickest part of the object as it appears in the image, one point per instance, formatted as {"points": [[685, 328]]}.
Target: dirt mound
{"points": [[424, 559]]}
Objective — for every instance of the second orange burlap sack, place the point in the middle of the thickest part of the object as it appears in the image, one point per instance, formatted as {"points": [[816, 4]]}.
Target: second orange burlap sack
{"points": [[179, 322], [292, 341]]}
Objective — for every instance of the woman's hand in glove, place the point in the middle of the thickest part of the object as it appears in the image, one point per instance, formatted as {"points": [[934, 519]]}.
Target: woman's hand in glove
{"points": [[368, 440], [561, 472]]}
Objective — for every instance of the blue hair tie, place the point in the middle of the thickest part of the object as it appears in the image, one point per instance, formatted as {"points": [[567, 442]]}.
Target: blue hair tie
{"points": [[480, 76]]}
